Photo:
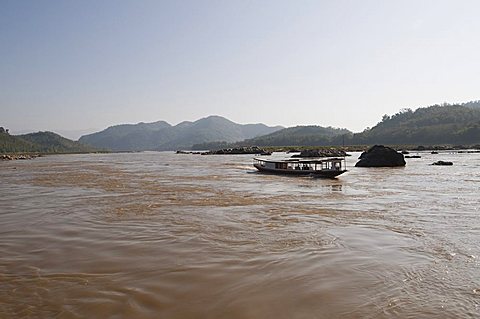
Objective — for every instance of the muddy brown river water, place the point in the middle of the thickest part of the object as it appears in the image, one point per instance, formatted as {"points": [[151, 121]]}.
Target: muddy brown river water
{"points": [[161, 235]]}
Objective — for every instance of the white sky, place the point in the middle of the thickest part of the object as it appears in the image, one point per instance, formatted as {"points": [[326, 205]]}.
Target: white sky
{"points": [[80, 66]]}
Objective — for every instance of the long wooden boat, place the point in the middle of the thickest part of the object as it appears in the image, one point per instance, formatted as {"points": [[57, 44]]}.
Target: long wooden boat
{"points": [[329, 167]]}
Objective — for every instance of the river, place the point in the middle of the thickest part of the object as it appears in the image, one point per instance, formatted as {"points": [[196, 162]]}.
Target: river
{"points": [[161, 235]]}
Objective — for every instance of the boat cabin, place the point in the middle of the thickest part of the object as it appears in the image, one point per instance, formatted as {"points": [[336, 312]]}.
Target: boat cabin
{"points": [[329, 167]]}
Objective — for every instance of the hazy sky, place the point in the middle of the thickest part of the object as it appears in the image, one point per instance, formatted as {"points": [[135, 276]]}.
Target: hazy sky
{"points": [[85, 65]]}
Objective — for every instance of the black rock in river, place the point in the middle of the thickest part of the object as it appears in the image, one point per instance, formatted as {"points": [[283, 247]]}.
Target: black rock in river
{"points": [[381, 156]]}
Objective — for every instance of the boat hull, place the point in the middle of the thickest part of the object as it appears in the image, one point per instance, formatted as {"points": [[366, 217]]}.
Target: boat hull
{"points": [[299, 172]]}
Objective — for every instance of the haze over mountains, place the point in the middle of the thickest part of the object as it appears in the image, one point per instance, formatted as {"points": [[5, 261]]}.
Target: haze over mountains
{"points": [[161, 136], [434, 125]]}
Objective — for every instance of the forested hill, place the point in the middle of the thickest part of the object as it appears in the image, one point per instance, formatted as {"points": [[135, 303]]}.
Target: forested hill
{"points": [[472, 104], [40, 142], [299, 136], [437, 124], [164, 137], [310, 135]]}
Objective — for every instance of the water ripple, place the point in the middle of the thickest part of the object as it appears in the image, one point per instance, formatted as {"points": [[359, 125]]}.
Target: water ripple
{"points": [[148, 235]]}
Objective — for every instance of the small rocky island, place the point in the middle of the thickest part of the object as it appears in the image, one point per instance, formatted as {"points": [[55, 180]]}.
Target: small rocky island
{"points": [[443, 163], [239, 151], [381, 156], [232, 151], [11, 157], [327, 152]]}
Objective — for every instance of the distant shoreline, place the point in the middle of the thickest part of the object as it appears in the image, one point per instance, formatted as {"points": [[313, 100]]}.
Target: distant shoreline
{"points": [[361, 148], [28, 156], [289, 149]]}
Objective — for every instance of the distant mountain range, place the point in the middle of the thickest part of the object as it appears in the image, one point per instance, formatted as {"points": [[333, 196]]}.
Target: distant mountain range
{"points": [[40, 142], [434, 125], [161, 136]]}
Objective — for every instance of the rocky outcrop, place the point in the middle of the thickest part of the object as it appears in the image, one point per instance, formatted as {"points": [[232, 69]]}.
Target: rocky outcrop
{"points": [[11, 157], [321, 153], [189, 152], [239, 151], [381, 156]]}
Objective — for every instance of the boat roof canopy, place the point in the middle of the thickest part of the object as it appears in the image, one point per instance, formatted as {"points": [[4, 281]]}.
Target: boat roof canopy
{"points": [[300, 160]]}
